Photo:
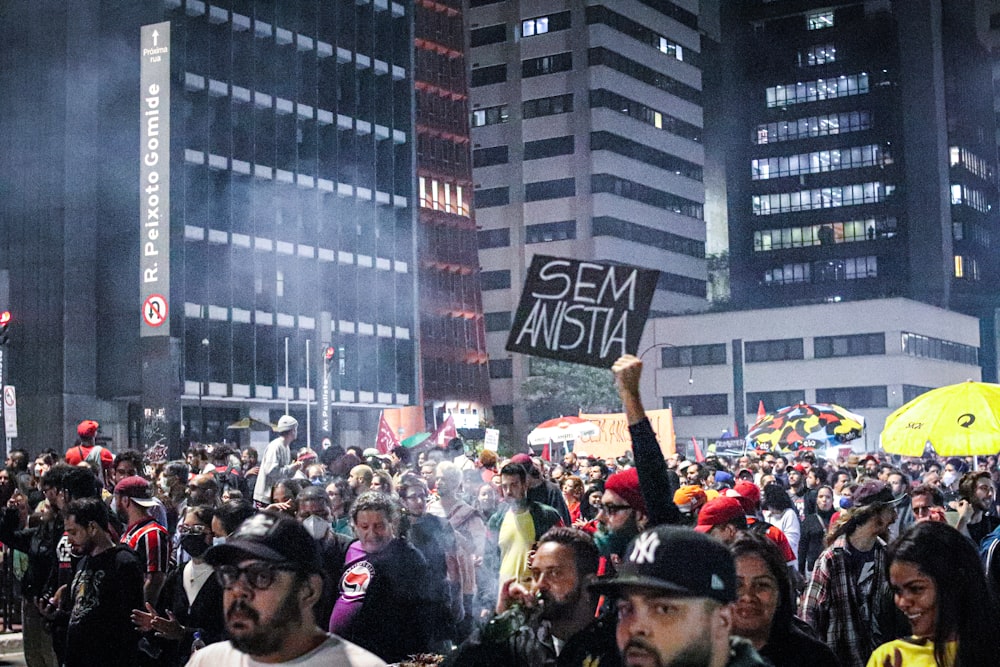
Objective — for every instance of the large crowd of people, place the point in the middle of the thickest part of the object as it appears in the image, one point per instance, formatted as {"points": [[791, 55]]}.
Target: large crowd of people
{"points": [[351, 557]]}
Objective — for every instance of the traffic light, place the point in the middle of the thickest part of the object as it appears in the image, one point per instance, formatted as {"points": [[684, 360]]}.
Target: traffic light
{"points": [[4, 324]]}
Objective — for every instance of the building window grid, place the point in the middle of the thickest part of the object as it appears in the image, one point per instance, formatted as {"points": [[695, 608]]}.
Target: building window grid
{"points": [[485, 76], [547, 106], [827, 233], [605, 99], [542, 65], [488, 197], [845, 85], [855, 345], [975, 199], [493, 238], [563, 230], [966, 268], [497, 321], [440, 195], [911, 391], [552, 147], [820, 20], [963, 157], [611, 184], [785, 349], [490, 116], [818, 198], [541, 25], [855, 397], [823, 271], [928, 347], [599, 14], [813, 126], [630, 231], [774, 400], [713, 354], [643, 153], [821, 54], [554, 189], [490, 280], [816, 162], [488, 157], [698, 404], [599, 56]]}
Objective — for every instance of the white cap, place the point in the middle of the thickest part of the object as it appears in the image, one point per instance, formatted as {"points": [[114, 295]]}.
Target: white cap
{"points": [[286, 423]]}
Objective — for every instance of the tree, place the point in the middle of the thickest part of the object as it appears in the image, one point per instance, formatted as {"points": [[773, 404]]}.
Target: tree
{"points": [[559, 388]]}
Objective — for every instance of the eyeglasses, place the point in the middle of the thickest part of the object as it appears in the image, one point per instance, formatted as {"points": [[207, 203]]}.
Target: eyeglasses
{"points": [[259, 576], [192, 530], [611, 509]]}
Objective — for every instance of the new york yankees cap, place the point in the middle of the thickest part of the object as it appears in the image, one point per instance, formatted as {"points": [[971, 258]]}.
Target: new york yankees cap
{"points": [[677, 561]]}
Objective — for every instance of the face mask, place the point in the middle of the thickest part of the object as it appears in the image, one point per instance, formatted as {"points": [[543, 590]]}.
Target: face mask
{"points": [[316, 527], [317, 481], [194, 544], [949, 477], [216, 541], [846, 503]]}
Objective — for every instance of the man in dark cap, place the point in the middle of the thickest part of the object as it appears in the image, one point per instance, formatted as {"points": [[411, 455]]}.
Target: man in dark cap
{"points": [[271, 571], [674, 594]]}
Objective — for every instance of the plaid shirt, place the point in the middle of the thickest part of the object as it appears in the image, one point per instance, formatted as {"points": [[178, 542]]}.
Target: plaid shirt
{"points": [[850, 625]]}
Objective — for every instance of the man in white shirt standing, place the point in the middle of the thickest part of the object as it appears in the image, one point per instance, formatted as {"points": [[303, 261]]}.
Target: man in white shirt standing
{"points": [[277, 461], [270, 572]]}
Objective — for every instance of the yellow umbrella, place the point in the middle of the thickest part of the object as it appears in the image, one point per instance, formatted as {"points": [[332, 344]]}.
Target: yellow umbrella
{"points": [[958, 420]]}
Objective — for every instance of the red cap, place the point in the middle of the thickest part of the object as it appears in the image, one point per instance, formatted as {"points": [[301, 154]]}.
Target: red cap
{"points": [[626, 485], [521, 459], [87, 428], [750, 494], [719, 511], [798, 467]]}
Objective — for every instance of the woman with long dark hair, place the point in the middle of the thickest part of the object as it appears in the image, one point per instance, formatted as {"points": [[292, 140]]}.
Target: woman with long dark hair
{"points": [[765, 606], [813, 534], [938, 582]]}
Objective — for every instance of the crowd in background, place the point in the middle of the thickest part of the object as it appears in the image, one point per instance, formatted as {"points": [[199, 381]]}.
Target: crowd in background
{"points": [[430, 550]]}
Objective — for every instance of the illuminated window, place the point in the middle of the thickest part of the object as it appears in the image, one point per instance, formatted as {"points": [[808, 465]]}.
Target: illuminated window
{"points": [[959, 267], [531, 27], [819, 20]]}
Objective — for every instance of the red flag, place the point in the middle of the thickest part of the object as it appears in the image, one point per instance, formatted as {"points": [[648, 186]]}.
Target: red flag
{"points": [[444, 433], [545, 452], [761, 412], [698, 455], [736, 430], [386, 439]]}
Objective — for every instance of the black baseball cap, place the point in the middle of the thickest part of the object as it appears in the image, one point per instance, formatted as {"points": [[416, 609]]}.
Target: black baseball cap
{"points": [[677, 561], [270, 537]]}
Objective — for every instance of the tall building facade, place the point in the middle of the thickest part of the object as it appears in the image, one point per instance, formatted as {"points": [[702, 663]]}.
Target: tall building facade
{"points": [[587, 129], [861, 161], [452, 335], [278, 222]]}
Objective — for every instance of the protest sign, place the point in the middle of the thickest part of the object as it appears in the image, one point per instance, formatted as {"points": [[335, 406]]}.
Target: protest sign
{"points": [[614, 438], [581, 311]]}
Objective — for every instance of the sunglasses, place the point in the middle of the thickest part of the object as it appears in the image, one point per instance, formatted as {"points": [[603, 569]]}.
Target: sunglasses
{"points": [[611, 509], [192, 530], [259, 576]]}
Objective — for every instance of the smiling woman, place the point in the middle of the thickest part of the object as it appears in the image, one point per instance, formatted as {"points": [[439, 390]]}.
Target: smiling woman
{"points": [[939, 584], [764, 606]]}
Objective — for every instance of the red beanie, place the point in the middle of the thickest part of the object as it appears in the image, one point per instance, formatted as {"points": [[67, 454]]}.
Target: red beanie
{"points": [[626, 485]]}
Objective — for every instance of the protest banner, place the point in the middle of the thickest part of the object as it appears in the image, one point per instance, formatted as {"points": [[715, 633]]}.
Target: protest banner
{"points": [[614, 438], [581, 311]]}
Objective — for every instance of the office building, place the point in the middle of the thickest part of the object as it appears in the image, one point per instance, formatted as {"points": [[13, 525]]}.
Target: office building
{"points": [[264, 261], [452, 337], [869, 356], [587, 130], [861, 156]]}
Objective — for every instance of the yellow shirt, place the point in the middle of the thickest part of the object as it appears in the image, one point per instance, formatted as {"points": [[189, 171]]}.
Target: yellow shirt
{"points": [[913, 652], [517, 534]]}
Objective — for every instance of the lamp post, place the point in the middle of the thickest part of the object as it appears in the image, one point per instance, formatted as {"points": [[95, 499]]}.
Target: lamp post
{"points": [[656, 376]]}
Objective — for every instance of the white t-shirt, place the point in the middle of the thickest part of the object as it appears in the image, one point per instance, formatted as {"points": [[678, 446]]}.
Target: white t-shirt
{"points": [[334, 651]]}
